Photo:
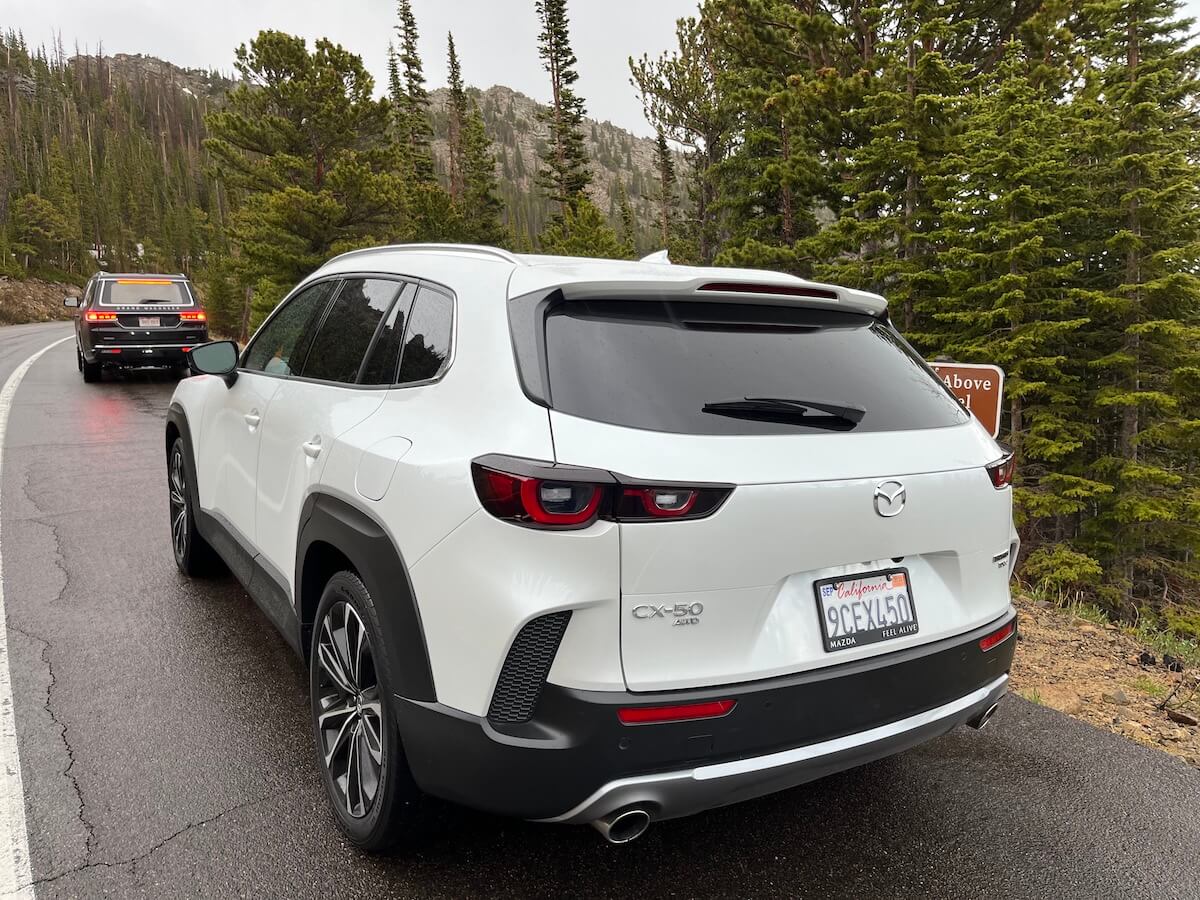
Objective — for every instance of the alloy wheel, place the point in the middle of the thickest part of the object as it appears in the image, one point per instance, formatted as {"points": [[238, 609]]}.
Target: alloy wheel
{"points": [[350, 711], [177, 482]]}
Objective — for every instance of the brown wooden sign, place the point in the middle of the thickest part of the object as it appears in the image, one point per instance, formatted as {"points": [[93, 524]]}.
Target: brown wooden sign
{"points": [[980, 388]]}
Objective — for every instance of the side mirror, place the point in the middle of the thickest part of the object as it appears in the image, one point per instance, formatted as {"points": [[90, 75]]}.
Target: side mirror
{"points": [[216, 358], [72, 302]]}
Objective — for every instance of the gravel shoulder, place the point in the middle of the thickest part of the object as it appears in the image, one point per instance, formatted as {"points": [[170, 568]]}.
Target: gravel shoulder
{"points": [[1104, 676]]}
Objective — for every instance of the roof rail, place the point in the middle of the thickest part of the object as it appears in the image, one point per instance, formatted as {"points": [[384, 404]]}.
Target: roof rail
{"points": [[469, 249]]}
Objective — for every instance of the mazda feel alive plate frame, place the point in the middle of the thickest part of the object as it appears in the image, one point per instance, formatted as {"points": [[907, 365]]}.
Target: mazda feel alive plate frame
{"points": [[865, 608]]}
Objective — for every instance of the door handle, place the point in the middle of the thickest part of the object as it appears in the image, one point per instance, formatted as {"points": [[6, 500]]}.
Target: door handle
{"points": [[312, 449], [252, 418]]}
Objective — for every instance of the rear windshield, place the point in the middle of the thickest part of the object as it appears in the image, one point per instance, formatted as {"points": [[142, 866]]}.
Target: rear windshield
{"points": [[658, 365], [138, 291]]}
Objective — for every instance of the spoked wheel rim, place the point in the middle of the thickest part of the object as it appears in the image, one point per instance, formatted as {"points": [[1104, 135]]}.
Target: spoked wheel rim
{"points": [[350, 711], [177, 483]]}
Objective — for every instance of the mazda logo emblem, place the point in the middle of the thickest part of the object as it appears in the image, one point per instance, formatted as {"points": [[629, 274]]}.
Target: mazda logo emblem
{"points": [[889, 498]]}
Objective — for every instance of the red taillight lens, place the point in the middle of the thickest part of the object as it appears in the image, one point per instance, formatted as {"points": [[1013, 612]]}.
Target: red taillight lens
{"points": [[536, 501], [92, 316], [549, 495], [197, 316], [650, 715], [1001, 472], [998, 637]]}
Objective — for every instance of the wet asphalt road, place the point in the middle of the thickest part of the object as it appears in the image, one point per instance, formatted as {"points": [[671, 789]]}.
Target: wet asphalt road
{"points": [[166, 752]]}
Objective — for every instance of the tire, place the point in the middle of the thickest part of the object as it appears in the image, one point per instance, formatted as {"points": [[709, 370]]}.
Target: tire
{"points": [[91, 370], [354, 729], [78, 358], [193, 554]]}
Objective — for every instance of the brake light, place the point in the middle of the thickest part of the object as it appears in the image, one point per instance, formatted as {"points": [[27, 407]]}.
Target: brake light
{"points": [[547, 495], [196, 316], [998, 636], [649, 715], [781, 290], [1001, 472], [92, 316], [144, 281]]}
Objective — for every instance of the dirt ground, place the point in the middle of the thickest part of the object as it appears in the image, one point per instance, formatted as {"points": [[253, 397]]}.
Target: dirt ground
{"points": [[34, 300], [1098, 673]]}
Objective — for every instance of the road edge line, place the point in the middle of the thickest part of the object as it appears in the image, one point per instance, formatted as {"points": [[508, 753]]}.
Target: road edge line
{"points": [[16, 875]]}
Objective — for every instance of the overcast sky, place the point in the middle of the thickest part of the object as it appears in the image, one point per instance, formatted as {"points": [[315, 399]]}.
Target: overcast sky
{"points": [[497, 39]]}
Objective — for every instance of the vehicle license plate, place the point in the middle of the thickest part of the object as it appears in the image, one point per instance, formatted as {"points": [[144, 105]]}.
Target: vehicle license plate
{"points": [[148, 321], [865, 609]]}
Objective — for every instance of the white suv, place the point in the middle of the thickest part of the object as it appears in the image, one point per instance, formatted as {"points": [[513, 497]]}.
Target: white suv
{"points": [[593, 541]]}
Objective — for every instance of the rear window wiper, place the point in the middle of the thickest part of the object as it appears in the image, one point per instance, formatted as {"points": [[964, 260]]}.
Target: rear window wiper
{"points": [[774, 408]]}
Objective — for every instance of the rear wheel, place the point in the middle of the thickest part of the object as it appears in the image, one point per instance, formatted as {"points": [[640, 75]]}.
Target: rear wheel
{"points": [[90, 370], [358, 746], [193, 554]]}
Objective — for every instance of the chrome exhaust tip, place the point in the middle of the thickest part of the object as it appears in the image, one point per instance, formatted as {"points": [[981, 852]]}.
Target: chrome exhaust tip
{"points": [[624, 826], [984, 717]]}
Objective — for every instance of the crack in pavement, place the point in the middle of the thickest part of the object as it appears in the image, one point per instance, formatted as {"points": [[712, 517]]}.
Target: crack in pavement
{"points": [[134, 860], [90, 840]]}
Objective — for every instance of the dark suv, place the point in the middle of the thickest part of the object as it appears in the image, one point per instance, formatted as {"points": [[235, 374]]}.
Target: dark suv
{"points": [[136, 321]]}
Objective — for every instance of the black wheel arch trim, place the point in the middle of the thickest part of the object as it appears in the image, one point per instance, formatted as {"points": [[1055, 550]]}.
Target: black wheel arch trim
{"points": [[360, 537]]}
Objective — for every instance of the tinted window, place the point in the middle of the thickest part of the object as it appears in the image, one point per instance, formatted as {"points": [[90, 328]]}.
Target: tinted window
{"points": [[385, 353], [280, 346], [655, 365], [138, 291], [339, 347], [427, 342]]}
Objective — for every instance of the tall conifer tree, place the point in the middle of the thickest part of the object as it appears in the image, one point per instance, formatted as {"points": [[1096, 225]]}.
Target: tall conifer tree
{"points": [[564, 174]]}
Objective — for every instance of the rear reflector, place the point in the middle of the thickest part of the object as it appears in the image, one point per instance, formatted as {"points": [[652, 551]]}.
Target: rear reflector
{"points": [[650, 715], [781, 290], [998, 637]]}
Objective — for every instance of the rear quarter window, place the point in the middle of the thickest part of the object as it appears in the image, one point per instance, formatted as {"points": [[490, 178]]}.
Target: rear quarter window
{"points": [[655, 365]]}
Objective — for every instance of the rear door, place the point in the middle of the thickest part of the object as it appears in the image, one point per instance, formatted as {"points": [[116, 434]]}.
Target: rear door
{"points": [[861, 518]]}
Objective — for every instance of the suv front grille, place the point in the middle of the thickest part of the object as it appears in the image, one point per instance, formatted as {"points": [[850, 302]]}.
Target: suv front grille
{"points": [[526, 667]]}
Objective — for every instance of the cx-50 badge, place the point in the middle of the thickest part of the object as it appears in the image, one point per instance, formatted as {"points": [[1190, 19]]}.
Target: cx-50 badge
{"points": [[889, 498], [679, 613]]}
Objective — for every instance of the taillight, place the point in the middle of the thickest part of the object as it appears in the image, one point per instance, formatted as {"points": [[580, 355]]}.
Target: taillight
{"points": [[196, 316], [999, 636], [548, 495], [1001, 472], [92, 316], [647, 715]]}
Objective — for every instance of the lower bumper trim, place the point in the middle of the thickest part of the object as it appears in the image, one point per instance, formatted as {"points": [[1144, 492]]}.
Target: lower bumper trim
{"points": [[672, 794]]}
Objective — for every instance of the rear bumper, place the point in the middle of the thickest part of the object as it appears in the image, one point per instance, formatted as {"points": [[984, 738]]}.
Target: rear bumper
{"points": [[134, 355], [576, 762]]}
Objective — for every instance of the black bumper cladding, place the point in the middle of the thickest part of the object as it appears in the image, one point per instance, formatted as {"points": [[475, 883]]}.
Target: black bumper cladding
{"points": [[574, 745]]}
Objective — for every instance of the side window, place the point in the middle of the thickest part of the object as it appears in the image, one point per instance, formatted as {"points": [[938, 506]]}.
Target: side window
{"points": [[427, 341], [280, 347], [381, 363], [88, 291], [341, 344]]}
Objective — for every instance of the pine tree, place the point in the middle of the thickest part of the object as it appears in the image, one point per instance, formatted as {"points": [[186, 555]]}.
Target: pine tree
{"points": [[664, 196], [456, 113], [413, 100], [564, 174], [1145, 295], [583, 231], [482, 208], [628, 221]]}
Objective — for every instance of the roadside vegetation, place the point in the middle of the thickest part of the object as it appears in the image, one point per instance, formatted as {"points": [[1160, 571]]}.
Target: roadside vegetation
{"points": [[1021, 182]]}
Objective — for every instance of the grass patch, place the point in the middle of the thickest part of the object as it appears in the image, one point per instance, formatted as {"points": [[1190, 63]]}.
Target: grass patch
{"points": [[1148, 685], [1033, 695], [1089, 612]]}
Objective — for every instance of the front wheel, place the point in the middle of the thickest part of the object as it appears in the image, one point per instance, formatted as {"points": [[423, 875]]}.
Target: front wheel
{"points": [[193, 554], [359, 754]]}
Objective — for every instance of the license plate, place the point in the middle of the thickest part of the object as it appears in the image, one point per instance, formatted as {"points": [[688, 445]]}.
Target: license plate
{"points": [[865, 609], [148, 321]]}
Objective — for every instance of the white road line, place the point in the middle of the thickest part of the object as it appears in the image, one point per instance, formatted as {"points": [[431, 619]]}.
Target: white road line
{"points": [[16, 877]]}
